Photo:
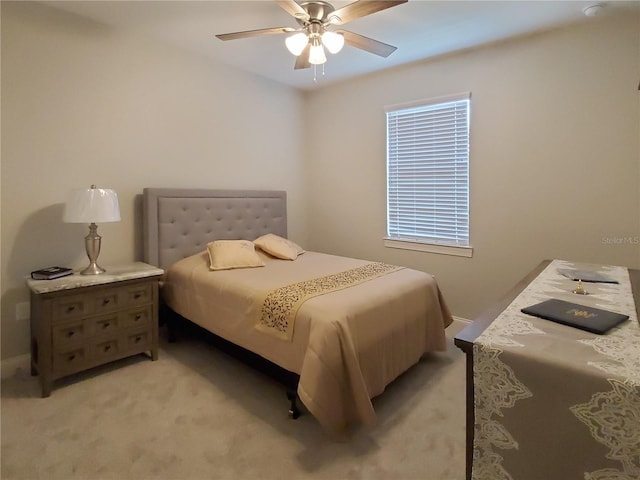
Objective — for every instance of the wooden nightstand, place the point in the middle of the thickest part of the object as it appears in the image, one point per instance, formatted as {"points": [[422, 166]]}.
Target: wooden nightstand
{"points": [[82, 321]]}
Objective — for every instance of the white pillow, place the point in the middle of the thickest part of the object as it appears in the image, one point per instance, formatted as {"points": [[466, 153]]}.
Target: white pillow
{"points": [[278, 246], [228, 254]]}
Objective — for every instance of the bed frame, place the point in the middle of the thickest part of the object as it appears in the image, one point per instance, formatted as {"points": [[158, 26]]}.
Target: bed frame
{"points": [[180, 222]]}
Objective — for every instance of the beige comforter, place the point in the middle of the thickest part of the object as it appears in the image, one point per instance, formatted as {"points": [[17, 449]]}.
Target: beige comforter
{"points": [[347, 345]]}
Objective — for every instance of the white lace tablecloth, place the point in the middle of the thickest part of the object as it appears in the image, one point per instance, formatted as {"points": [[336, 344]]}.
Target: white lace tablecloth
{"points": [[556, 402]]}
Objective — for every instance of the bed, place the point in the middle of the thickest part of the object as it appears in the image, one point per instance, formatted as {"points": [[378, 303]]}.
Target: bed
{"points": [[344, 328]]}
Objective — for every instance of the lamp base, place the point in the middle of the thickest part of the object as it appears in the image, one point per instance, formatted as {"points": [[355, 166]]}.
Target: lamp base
{"points": [[93, 269], [92, 246]]}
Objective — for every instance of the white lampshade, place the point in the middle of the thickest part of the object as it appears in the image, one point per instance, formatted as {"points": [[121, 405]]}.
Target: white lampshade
{"points": [[333, 41], [316, 55], [296, 43], [92, 205]]}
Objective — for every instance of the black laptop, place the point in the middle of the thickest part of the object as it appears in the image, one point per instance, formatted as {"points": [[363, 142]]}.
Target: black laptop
{"points": [[591, 319], [586, 275]]}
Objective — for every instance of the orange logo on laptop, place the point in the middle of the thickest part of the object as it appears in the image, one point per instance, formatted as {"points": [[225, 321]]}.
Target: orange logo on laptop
{"points": [[581, 313]]}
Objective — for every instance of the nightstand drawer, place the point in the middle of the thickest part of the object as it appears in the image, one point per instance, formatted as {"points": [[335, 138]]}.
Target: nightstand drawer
{"points": [[69, 307], [105, 324], [104, 350], [70, 333], [136, 317], [70, 361], [106, 301], [141, 294], [139, 340]]}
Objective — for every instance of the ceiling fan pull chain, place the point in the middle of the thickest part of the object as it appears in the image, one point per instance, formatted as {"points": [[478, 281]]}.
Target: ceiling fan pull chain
{"points": [[315, 80]]}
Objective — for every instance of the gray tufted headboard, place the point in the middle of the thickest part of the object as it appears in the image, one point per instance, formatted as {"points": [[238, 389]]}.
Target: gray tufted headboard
{"points": [[180, 222]]}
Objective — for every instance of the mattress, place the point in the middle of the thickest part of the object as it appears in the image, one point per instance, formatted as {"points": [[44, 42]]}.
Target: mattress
{"points": [[347, 344]]}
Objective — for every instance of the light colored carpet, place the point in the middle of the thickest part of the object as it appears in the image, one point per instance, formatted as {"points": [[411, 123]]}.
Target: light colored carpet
{"points": [[198, 414]]}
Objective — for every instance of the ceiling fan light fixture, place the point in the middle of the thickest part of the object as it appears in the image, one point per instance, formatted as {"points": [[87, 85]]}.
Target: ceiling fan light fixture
{"points": [[593, 10], [333, 41], [296, 43], [317, 55], [315, 18]]}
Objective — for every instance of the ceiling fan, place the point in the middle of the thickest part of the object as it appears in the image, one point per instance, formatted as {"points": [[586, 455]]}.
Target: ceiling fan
{"points": [[317, 19]]}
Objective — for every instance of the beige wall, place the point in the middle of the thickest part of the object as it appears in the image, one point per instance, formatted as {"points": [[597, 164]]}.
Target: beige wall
{"points": [[84, 104], [555, 158], [555, 122]]}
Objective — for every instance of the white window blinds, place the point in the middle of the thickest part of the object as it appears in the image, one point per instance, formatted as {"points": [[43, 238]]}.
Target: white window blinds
{"points": [[428, 171]]}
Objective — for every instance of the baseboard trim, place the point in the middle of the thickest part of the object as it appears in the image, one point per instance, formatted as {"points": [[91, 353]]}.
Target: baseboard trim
{"points": [[463, 320], [10, 366]]}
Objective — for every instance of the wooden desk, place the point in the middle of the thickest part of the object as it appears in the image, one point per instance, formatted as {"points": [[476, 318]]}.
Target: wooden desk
{"points": [[466, 338]]}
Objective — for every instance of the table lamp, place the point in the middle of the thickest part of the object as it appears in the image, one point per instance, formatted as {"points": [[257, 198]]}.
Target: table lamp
{"points": [[92, 205]]}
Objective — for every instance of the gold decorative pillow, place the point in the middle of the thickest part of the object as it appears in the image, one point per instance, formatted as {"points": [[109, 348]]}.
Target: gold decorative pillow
{"points": [[228, 254], [278, 246]]}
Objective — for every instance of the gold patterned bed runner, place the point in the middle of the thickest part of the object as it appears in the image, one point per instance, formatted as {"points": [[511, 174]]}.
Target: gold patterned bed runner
{"points": [[281, 305]]}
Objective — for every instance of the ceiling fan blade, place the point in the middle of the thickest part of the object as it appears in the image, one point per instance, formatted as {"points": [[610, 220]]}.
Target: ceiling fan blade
{"points": [[255, 33], [302, 60], [366, 43], [361, 8], [293, 9]]}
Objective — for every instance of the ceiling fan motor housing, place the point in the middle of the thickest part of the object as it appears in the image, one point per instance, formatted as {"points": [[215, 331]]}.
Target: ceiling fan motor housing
{"points": [[318, 12]]}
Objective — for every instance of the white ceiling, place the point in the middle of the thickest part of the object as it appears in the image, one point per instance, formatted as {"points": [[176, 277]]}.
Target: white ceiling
{"points": [[420, 29]]}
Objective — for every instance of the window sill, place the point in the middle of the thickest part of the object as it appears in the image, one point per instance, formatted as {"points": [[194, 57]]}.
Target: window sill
{"points": [[429, 247]]}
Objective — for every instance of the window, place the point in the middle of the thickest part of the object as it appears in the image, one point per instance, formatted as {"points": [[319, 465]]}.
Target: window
{"points": [[428, 175]]}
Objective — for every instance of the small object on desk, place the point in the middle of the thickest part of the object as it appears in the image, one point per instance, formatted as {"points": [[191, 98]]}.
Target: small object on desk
{"points": [[586, 275], [591, 319], [579, 290], [50, 273]]}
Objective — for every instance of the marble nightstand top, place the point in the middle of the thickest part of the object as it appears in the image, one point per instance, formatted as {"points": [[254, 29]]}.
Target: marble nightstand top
{"points": [[117, 273]]}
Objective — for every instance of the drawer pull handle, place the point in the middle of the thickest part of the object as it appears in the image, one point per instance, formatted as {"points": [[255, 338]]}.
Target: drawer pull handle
{"points": [[138, 317], [137, 340], [107, 348], [105, 325], [71, 333], [106, 301], [71, 357], [71, 308], [137, 296]]}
